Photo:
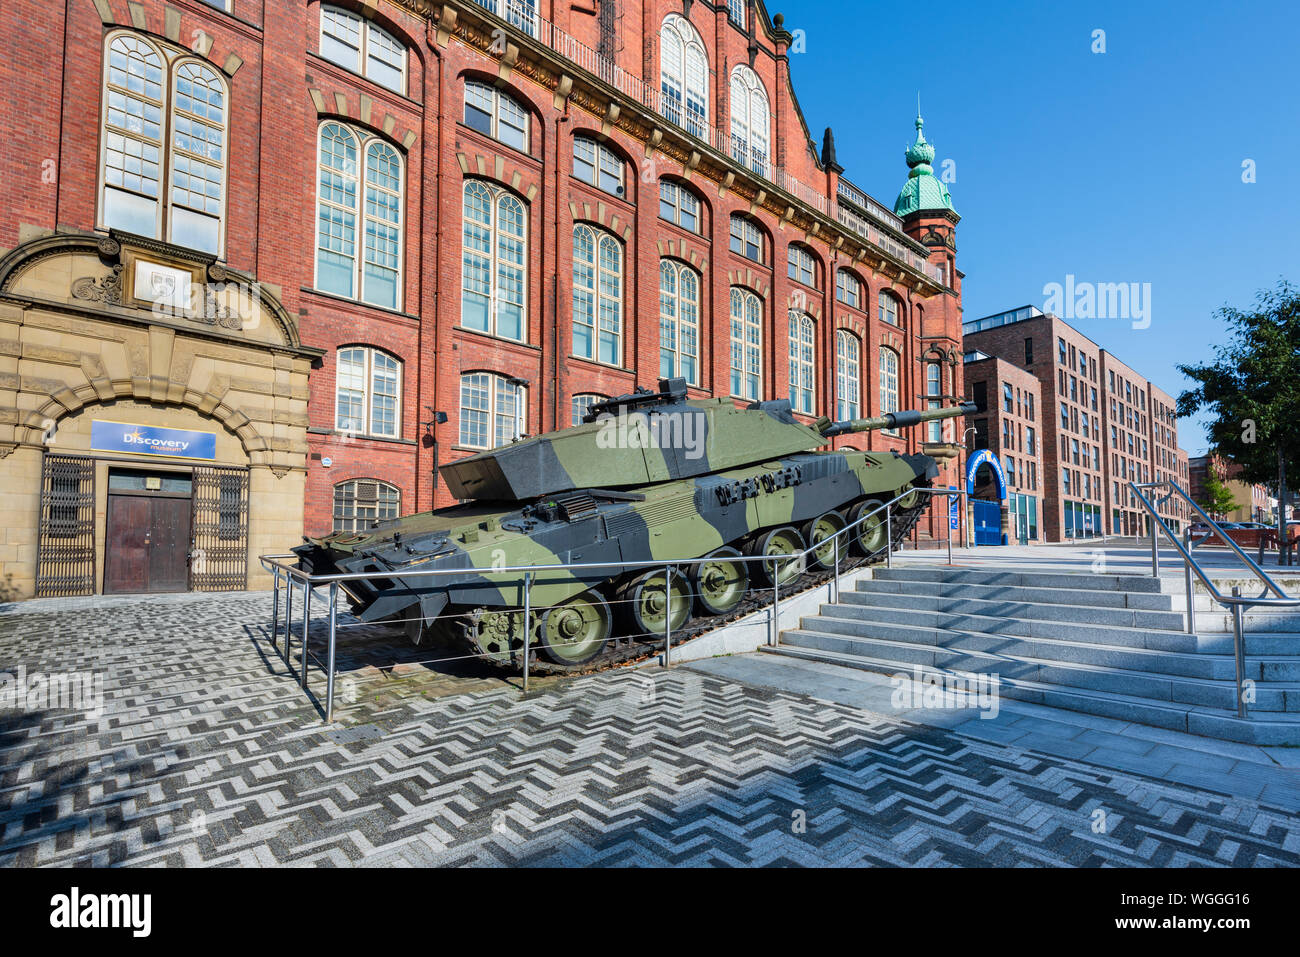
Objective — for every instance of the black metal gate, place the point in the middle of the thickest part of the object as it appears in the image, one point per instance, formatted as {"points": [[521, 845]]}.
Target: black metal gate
{"points": [[65, 563], [219, 557]]}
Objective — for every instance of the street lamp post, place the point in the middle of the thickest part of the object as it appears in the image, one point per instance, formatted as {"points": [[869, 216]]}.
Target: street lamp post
{"points": [[968, 511]]}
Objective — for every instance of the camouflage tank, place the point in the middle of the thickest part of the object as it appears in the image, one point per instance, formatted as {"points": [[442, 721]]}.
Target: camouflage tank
{"points": [[646, 476]]}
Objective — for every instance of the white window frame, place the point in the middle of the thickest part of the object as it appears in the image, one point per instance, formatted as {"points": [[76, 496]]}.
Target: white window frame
{"points": [[751, 121], [371, 153], [848, 376], [683, 76], [801, 265], [500, 427], [355, 521], [607, 171], [736, 12], [581, 402], [933, 399], [748, 235], [803, 366], [846, 282], [497, 105], [746, 312], [679, 321], [895, 308], [374, 367], [890, 383], [677, 198], [367, 34], [605, 287], [506, 255]]}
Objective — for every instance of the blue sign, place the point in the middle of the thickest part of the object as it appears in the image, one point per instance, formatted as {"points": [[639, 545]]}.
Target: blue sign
{"points": [[985, 457], [954, 504], [152, 440]]}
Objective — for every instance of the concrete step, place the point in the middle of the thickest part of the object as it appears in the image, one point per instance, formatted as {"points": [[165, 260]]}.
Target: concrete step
{"points": [[1082, 583], [1261, 729], [996, 607], [1013, 660], [1023, 593], [1279, 644]]}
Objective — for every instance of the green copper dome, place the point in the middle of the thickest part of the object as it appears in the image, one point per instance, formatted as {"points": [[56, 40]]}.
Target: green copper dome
{"points": [[922, 191]]}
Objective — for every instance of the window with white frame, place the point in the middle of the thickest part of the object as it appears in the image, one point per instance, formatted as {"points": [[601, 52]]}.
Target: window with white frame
{"points": [[679, 321], [360, 46], [683, 76], [679, 205], [746, 238], [803, 334], [933, 399], [736, 12], [582, 402], [495, 114], [163, 159], [367, 386], [848, 288], [750, 120], [359, 189], [494, 253], [802, 265], [848, 376], [492, 410], [746, 344], [889, 383], [597, 295], [888, 307], [519, 13], [597, 164], [360, 503]]}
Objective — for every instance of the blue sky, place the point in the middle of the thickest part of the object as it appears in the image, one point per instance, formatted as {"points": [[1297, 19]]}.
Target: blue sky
{"points": [[1123, 166]]}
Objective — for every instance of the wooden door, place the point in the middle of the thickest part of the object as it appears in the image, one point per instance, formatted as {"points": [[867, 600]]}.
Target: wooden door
{"points": [[147, 544], [169, 547]]}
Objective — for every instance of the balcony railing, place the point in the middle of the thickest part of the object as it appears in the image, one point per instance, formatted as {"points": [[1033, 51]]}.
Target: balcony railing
{"points": [[523, 16]]}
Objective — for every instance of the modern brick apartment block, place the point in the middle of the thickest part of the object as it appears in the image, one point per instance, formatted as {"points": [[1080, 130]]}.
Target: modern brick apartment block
{"points": [[1253, 503], [453, 223], [1009, 424]]}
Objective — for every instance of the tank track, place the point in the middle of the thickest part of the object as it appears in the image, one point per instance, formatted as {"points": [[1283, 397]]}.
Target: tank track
{"points": [[620, 651]]}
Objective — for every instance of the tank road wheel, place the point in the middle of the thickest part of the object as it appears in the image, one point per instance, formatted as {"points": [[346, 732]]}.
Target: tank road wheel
{"points": [[823, 529], [720, 585], [777, 542], [910, 500], [649, 605], [498, 633], [869, 537], [575, 632]]}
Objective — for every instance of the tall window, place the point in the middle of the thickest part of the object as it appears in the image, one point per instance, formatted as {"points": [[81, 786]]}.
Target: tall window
{"points": [[361, 503], [848, 289], [492, 410], [746, 239], [359, 181], [164, 174], [746, 344], [889, 383], [494, 251], [750, 118], [597, 295], [360, 46], [582, 402], [933, 397], [679, 321], [367, 384], [683, 76], [495, 114], [802, 266], [597, 164], [888, 308], [802, 376], [736, 12], [848, 376], [679, 205]]}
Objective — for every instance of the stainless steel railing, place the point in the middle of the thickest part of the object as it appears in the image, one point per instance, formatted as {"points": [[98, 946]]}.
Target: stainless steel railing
{"points": [[1235, 603], [285, 571]]}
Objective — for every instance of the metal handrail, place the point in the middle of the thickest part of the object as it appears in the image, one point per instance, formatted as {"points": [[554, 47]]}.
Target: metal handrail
{"points": [[279, 565], [1235, 603]]}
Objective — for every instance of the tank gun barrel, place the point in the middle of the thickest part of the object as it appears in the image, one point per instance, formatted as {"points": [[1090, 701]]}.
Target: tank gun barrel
{"points": [[898, 420]]}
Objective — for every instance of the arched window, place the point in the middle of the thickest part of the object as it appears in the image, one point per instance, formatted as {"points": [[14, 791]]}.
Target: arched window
{"points": [[597, 164], [679, 321], [584, 401], [802, 265], [848, 376], [679, 205], [933, 397], [746, 238], [597, 295], [495, 114], [848, 288], [802, 376], [888, 383], [494, 253], [492, 410], [360, 46], [367, 384], [163, 173], [683, 76], [746, 344], [361, 503], [888, 307], [750, 119]]}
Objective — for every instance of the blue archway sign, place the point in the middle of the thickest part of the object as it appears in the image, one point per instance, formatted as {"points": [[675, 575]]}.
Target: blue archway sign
{"points": [[983, 457]]}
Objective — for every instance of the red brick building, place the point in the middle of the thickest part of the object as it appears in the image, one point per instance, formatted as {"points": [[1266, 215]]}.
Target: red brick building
{"points": [[1009, 425], [494, 211]]}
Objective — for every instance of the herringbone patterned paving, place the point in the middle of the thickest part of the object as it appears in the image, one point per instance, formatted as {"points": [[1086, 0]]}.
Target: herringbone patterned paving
{"points": [[206, 753]]}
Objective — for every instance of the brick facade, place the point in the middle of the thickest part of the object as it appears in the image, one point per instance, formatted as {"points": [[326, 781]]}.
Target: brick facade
{"points": [[1010, 425]]}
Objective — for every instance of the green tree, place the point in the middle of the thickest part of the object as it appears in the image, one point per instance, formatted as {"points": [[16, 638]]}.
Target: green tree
{"points": [[1253, 389], [1216, 498]]}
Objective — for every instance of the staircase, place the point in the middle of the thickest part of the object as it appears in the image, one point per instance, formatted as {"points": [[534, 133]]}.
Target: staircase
{"points": [[1110, 645]]}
